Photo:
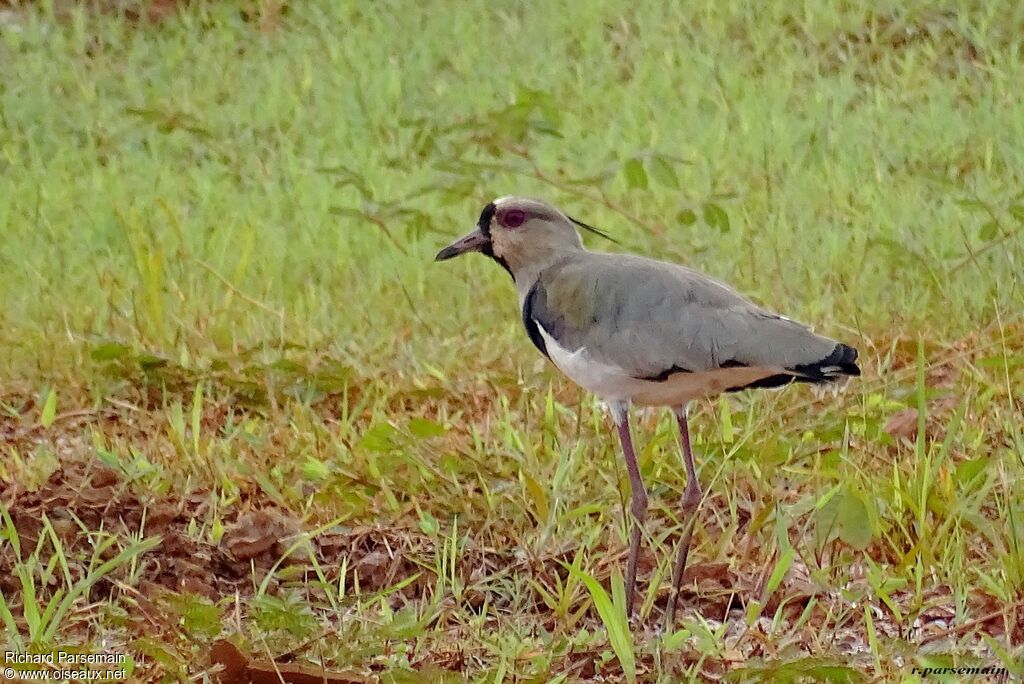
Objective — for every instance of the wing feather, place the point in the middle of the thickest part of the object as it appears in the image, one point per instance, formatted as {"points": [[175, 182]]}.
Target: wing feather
{"points": [[652, 318]]}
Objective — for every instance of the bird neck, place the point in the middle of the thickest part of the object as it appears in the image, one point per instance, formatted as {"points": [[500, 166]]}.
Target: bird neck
{"points": [[526, 272]]}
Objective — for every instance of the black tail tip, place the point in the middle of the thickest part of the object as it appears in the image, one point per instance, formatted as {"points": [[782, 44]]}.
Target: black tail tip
{"points": [[842, 360], [845, 357]]}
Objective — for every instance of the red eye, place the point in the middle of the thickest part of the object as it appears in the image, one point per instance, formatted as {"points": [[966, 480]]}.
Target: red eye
{"points": [[513, 218]]}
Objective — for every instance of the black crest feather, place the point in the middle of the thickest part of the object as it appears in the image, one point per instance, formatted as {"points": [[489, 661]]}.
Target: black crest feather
{"points": [[592, 229]]}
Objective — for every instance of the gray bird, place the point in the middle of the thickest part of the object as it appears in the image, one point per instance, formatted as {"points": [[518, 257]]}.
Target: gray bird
{"points": [[634, 330]]}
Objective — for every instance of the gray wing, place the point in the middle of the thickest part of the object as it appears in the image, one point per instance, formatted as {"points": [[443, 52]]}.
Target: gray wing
{"points": [[653, 319]]}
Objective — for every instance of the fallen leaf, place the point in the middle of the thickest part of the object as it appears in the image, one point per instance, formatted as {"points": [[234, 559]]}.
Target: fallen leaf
{"points": [[902, 425], [238, 669], [256, 532]]}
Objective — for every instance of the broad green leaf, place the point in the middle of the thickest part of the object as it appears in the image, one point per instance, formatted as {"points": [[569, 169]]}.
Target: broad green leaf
{"points": [[989, 231], [149, 361], [716, 217], [108, 458], [314, 469], [424, 428], [538, 495], [380, 437], [968, 470], [687, 217], [854, 521], [199, 616], [428, 523], [754, 609], [216, 530], [1017, 211], [109, 351], [661, 171], [49, 409], [635, 175]]}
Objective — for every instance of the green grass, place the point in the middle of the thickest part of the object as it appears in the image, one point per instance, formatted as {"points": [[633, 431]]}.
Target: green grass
{"points": [[217, 241]]}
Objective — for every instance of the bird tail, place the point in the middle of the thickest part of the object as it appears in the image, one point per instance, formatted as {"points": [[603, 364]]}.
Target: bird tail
{"points": [[840, 362]]}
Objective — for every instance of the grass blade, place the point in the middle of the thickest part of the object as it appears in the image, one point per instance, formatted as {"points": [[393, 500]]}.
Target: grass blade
{"points": [[614, 618]]}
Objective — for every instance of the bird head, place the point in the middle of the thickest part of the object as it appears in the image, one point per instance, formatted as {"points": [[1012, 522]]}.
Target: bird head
{"points": [[519, 233]]}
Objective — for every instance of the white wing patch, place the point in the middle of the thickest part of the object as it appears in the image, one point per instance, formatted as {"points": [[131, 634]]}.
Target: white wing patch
{"points": [[608, 382], [613, 383]]}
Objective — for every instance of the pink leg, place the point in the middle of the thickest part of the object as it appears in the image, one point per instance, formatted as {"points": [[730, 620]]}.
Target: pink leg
{"points": [[691, 501], [620, 413]]}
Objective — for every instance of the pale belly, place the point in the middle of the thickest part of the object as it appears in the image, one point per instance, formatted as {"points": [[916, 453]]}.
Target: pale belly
{"points": [[613, 383]]}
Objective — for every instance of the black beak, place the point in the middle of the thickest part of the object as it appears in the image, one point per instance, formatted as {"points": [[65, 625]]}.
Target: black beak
{"points": [[474, 241]]}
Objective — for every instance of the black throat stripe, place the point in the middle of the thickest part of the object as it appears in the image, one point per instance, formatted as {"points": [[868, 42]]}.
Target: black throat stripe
{"points": [[484, 224]]}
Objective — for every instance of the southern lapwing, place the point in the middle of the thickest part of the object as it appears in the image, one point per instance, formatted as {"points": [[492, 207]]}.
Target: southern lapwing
{"points": [[638, 331]]}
